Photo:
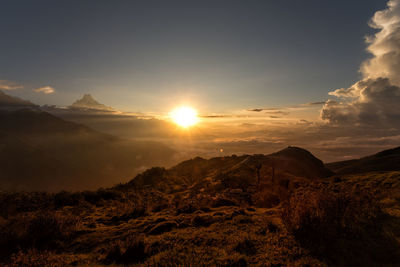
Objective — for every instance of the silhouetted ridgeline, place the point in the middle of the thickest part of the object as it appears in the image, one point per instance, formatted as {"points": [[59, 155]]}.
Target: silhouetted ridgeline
{"points": [[387, 160], [39, 151]]}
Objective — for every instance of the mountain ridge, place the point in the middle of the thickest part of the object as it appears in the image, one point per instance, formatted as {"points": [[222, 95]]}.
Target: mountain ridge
{"points": [[56, 154], [386, 160]]}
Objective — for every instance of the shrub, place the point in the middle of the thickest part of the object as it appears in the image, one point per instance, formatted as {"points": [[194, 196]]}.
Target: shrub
{"points": [[338, 225], [131, 250], [46, 229], [40, 230], [326, 214]]}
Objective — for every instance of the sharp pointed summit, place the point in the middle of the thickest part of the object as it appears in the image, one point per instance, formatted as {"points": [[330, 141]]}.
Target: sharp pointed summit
{"points": [[88, 102]]}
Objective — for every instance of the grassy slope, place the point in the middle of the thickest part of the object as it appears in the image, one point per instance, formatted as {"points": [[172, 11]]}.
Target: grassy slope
{"points": [[224, 235], [387, 160], [39, 151]]}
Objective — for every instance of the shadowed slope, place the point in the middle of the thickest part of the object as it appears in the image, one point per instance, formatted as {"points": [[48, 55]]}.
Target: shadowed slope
{"points": [[387, 160], [42, 152]]}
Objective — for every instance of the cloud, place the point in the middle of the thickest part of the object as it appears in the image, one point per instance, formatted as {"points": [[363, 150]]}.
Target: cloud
{"points": [[384, 45], [9, 85], [375, 102], [278, 112], [215, 116], [304, 122], [375, 99], [256, 109], [315, 103], [45, 90], [283, 110]]}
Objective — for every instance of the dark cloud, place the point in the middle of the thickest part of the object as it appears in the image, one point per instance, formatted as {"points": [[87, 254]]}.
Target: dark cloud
{"points": [[373, 102], [256, 109], [215, 116], [316, 103]]}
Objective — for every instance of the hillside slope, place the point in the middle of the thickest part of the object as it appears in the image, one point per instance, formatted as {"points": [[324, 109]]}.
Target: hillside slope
{"points": [[39, 151], [214, 212], [387, 160]]}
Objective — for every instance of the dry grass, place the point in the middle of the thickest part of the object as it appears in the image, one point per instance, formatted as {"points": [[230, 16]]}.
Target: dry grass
{"points": [[279, 224], [39, 230], [340, 226]]}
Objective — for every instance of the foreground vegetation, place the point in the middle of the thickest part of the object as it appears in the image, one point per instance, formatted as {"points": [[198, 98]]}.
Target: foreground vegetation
{"points": [[192, 218]]}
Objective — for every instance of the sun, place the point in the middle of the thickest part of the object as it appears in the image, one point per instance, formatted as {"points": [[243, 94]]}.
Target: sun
{"points": [[184, 116]]}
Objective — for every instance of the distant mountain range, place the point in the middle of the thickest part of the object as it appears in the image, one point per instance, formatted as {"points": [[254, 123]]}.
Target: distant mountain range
{"points": [[100, 117], [39, 151], [387, 160]]}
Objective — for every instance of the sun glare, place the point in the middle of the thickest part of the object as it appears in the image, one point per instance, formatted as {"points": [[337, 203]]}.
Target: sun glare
{"points": [[184, 116]]}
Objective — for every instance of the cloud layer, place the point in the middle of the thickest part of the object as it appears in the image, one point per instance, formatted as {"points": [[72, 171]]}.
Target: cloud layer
{"points": [[375, 99]]}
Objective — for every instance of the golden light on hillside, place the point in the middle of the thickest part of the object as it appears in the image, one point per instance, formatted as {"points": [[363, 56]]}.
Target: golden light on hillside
{"points": [[184, 116]]}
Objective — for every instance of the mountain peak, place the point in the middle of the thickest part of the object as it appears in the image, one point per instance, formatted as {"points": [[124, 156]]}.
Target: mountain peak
{"points": [[88, 102]]}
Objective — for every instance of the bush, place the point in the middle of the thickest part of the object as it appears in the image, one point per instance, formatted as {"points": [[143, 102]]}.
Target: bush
{"points": [[326, 214], [338, 225], [44, 230]]}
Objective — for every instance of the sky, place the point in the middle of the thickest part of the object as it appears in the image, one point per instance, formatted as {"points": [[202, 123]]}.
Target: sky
{"points": [[323, 75], [149, 56]]}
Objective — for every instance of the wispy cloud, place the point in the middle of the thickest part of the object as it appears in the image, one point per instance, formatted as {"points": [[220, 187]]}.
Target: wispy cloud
{"points": [[284, 110], [9, 85], [278, 112], [319, 103], [45, 90]]}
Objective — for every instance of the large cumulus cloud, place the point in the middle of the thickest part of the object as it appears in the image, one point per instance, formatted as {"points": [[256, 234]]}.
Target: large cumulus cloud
{"points": [[375, 100]]}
